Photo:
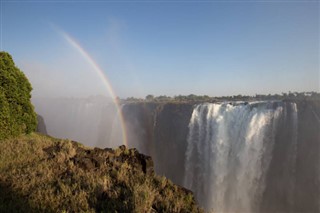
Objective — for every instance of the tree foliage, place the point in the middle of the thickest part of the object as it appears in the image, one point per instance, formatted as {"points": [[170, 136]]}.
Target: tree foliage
{"points": [[17, 114], [149, 98]]}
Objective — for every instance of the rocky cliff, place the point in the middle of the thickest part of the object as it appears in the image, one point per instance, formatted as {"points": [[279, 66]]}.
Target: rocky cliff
{"points": [[160, 130], [292, 173]]}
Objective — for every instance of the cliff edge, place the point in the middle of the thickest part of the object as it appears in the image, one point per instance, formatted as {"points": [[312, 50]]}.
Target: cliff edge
{"points": [[43, 174]]}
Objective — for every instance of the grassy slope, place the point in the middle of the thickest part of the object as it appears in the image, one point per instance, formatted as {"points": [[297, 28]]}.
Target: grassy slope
{"points": [[42, 174]]}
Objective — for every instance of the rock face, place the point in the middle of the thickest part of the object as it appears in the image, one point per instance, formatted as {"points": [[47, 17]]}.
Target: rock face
{"points": [[302, 194], [41, 125], [160, 130]]}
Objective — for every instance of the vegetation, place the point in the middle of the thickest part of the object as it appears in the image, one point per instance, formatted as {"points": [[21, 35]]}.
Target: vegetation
{"points": [[43, 174], [297, 96], [17, 114]]}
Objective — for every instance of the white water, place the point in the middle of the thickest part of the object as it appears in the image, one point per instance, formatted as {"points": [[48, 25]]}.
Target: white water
{"points": [[229, 151]]}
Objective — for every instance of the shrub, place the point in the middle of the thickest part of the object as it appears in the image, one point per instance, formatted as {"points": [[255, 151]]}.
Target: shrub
{"points": [[17, 114]]}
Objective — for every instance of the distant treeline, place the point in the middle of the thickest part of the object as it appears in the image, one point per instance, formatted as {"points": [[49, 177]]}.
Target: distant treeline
{"points": [[206, 98]]}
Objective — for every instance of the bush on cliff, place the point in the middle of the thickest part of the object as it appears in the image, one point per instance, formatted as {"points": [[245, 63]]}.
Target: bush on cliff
{"points": [[17, 114]]}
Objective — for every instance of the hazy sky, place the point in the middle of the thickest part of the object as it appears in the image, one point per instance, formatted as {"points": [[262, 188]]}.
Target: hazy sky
{"points": [[165, 47]]}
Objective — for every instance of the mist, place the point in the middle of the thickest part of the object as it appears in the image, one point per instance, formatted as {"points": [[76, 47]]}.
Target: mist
{"points": [[93, 121]]}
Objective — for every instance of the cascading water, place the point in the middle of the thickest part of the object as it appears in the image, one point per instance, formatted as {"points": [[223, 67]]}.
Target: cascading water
{"points": [[229, 152]]}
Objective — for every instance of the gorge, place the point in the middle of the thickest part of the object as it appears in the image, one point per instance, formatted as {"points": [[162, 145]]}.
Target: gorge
{"points": [[235, 156]]}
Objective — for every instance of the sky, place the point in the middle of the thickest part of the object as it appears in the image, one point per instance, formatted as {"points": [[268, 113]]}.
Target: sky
{"points": [[164, 47]]}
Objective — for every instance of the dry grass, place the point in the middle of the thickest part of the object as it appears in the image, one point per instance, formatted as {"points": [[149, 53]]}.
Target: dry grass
{"points": [[43, 174]]}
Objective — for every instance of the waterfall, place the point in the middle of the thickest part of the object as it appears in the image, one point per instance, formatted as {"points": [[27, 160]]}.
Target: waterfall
{"points": [[229, 149]]}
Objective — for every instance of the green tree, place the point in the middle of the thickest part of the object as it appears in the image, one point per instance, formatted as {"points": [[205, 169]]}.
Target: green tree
{"points": [[149, 97], [17, 114]]}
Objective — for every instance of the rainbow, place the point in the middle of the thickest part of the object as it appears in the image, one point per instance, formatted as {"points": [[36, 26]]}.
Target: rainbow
{"points": [[102, 76]]}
